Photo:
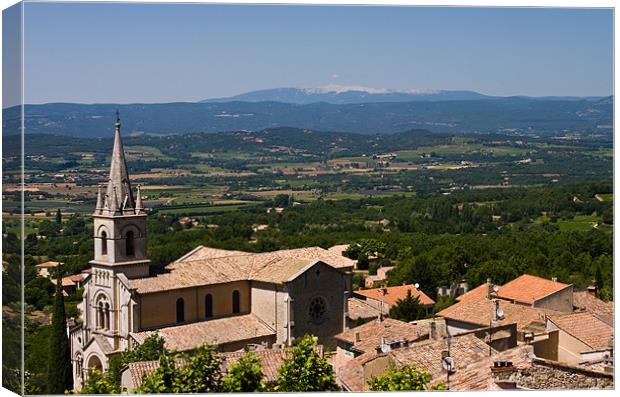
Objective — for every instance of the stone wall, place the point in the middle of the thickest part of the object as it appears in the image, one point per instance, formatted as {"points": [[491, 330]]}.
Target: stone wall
{"points": [[543, 374]]}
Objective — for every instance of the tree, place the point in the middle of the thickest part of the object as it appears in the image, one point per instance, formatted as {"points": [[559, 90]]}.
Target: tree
{"points": [[599, 281], [151, 349], [305, 370], [200, 374], [404, 378], [99, 383], [245, 375], [59, 217], [59, 371], [408, 309]]}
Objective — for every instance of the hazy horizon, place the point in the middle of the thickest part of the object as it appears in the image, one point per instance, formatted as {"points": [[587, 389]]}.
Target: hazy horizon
{"points": [[158, 53]]}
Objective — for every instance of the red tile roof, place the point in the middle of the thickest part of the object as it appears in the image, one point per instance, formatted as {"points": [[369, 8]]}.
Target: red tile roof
{"points": [[217, 331], [271, 361], [585, 327], [480, 292], [528, 288], [49, 264], [367, 337], [604, 311], [358, 308], [480, 312], [391, 295]]}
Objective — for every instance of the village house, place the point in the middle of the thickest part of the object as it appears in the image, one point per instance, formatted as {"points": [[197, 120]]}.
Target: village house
{"points": [[588, 302], [45, 269], [360, 312], [465, 350], [582, 338], [373, 281], [538, 292], [386, 297], [227, 298]]}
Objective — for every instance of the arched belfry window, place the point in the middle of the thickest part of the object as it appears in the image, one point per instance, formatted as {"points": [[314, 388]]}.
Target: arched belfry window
{"points": [[208, 305], [104, 243], [180, 310], [235, 302], [129, 244]]}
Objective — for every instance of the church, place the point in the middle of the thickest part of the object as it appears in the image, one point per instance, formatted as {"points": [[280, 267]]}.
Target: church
{"points": [[227, 298]]}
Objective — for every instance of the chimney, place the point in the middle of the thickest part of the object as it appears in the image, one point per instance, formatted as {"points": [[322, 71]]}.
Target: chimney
{"points": [[433, 333], [592, 290], [554, 279], [357, 337], [489, 288]]}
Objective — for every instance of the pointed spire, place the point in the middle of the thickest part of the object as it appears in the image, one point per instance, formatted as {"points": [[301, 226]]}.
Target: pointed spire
{"points": [[113, 207], [99, 206], [139, 207], [119, 177]]}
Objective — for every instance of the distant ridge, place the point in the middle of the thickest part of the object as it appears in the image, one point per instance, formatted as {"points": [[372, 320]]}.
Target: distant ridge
{"points": [[465, 116], [343, 95]]}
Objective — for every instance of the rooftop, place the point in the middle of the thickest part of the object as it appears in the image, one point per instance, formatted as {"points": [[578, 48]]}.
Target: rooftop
{"points": [[585, 327], [49, 264], [358, 308], [271, 361], [604, 311], [204, 266], [218, 331], [367, 337], [391, 295], [480, 312], [480, 292], [528, 288]]}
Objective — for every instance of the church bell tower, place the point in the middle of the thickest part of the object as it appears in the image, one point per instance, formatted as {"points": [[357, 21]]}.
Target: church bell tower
{"points": [[119, 220]]}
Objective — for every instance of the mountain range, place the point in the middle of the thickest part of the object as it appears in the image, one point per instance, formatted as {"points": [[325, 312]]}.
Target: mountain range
{"points": [[337, 94], [331, 108]]}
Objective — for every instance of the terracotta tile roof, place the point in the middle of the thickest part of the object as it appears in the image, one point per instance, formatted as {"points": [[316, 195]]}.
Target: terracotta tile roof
{"points": [[271, 361], [480, 292], [70, 281], [276, 267], [604, 311], [367, 337], [351, 375], [338, 249], [585, 327], [528, 289], [466, 350], [393, 294], [218, 331], [358, 308], [480, 312], [49, 264]]}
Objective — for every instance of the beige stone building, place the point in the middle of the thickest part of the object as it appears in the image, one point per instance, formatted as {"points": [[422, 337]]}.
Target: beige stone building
{"points": [[228, 298]]}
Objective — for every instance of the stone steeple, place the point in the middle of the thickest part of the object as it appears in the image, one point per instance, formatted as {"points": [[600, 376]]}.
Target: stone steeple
{"points": [[119, 196]]}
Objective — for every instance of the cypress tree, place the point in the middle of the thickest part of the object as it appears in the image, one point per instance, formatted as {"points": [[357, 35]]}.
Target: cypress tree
{"points": [[59, 370], [59, 217]]}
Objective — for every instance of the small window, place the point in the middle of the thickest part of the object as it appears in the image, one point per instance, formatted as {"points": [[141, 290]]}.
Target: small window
{"points": [[208, 306], [180, 310], [235, 302], [129, 244], [104, 243]]}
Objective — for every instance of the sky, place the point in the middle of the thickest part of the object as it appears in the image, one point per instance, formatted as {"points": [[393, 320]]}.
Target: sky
{"points": [[128, 53]]}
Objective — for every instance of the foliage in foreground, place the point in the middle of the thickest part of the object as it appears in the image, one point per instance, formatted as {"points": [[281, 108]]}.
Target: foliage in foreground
{"points": [[404, 378], [305, 370], [245, 375]]}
